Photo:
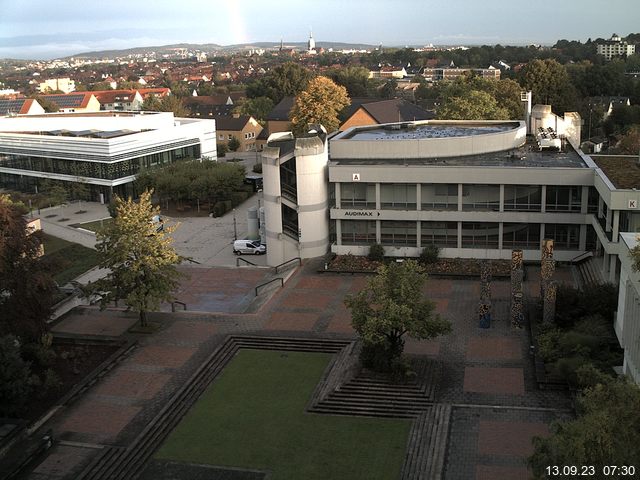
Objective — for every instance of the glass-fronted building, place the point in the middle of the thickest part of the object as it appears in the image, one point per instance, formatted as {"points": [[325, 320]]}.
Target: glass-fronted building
{"points": [[103, 150]]}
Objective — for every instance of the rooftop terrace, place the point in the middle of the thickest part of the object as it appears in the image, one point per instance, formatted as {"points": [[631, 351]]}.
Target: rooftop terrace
{"points": [[414, 131]]}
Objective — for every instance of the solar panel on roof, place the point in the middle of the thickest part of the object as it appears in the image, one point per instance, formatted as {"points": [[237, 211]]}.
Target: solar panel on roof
{"points": [[11, 106], [67, 101]]}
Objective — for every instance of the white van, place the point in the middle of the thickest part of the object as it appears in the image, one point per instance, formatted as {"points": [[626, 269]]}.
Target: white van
{"points": [[249, 246]]}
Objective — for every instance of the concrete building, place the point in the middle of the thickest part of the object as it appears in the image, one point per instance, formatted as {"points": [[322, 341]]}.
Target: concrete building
{"points": [[476, 189], [105, 150], [615, 47]]}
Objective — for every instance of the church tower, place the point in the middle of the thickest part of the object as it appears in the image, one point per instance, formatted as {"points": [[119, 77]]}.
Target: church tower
{"points": [[311, 44]]}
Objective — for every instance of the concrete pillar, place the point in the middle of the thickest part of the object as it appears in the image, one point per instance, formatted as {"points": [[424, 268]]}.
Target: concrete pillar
{"points": [[418, 235], [378, 197], [613, 263], [338, 232], [616, 225], [501, 207], [337, 194], [584, 205], [378, 232], [583, 238], [600, 206], [459, 198], [459, 234], [500, 232], [543, 200], [608, 220], [549, 303], [418, 197]]}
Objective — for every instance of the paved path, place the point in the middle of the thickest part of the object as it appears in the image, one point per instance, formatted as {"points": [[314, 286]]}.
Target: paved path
{"points": [[486, 373]]}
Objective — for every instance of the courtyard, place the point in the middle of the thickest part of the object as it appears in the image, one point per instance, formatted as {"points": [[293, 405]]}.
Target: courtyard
{"points": [[250, 418]]}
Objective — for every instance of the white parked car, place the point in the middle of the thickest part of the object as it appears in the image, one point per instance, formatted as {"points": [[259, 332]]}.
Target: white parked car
{"points": [[253, 247]]}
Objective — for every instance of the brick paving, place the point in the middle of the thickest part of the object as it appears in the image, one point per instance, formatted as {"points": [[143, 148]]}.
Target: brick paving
{"points": [[479, 367]]}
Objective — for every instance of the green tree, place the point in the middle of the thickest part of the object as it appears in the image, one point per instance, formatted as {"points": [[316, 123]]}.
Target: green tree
{"points": [[549, 83], [233, 144], [141, 260], [288, 79], [169, 103], [392, 305], [16, 383], [258, 108], [472, 105], [321, 103], [26, 287], [388, 90], [606, 432], [354, 78], [629, 143], [49, 105]]}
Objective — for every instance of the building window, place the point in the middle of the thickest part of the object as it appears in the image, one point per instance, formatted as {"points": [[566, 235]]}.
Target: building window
{"points": [[480, 235], [565, 237], [481, 197], [355, 232], [221, 137], [522, 198], [441, 234], [399, 234], [439, 196], [289, 180], [594, 196], [290, 222], [401, 196], [521, 235], [229, 137], [358, 195], [563, 199]]}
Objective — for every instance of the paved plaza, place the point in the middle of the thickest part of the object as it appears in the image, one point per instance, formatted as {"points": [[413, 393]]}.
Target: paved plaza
{"points": [[485, 374]]}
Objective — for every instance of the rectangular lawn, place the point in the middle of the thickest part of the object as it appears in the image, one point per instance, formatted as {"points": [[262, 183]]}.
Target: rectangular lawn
{"points": [[253, 416], [69, 259]]}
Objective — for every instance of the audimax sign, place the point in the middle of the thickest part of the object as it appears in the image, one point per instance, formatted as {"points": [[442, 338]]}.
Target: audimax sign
{"points": [[361, 213]]}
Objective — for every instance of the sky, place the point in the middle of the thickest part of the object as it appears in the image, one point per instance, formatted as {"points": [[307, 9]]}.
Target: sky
{"points": [[39, 29]]}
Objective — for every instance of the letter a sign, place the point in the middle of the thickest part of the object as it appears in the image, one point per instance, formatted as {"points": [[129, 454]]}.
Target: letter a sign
{"points": [[356, 177]]}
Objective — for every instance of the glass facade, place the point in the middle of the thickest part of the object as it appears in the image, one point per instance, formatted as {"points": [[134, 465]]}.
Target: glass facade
{"points": [[563, 199], [290, 222], [102, 170], [401, 196], [439, 196], [521, 235], [356, 232], [480, 235], [481, 197], [358, 195], [565, 237], [400, 234], [441, 234], [288, 180], [522, 198]]}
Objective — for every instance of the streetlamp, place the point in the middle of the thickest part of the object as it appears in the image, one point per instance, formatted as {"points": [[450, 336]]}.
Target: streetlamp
{"points": [[235, 227]]}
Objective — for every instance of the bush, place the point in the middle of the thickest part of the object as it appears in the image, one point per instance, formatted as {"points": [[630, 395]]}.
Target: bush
{"points": [[429, 254], [233, 144], [222, 149], [257, 168], [238, 197], [218, 209], [376, 252]]}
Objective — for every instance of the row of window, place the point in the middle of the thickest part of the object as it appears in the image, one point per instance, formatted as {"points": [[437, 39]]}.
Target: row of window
{"points": [[103, 170], [473, 234], [247, 136], [522, 198]]}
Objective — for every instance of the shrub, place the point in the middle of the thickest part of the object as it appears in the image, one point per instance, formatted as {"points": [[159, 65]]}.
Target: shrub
{"points": [[429, 254], [218, 209], [233, 144], [222, 149], [376, 252], [238, 197], [257, 168]]}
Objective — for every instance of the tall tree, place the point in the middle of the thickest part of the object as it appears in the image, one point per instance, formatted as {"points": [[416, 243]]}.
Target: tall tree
{"points": [[354, 78], [288, 79], [321, 102], [472, 105], [141, 260], [606, 432], [258, 108], [550, 84], [169, 103], [392, 305], [26, 287]]}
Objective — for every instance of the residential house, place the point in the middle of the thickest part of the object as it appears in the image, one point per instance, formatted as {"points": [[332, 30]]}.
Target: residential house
{"points": [[277, 121], [80, 102], [615, 47], [378, 112], [65, 85], [608, 103], [20, 106], [243, 127]]}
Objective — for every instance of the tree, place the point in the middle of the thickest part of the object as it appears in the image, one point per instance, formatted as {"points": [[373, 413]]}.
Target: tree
{"points": [[354, 78], [388, 90], [606, 432], [233, 144], [321, 103], [258, 108], [16, 382], [629, 143], [472, 105], [49, 105], [550, 84], [26, 287], [392, 305], [288, 79], [141, 261], [169, 103]]}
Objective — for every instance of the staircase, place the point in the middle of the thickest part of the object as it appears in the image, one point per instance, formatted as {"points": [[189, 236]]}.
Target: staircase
{"points": [[589, 271], [374, 395]]}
